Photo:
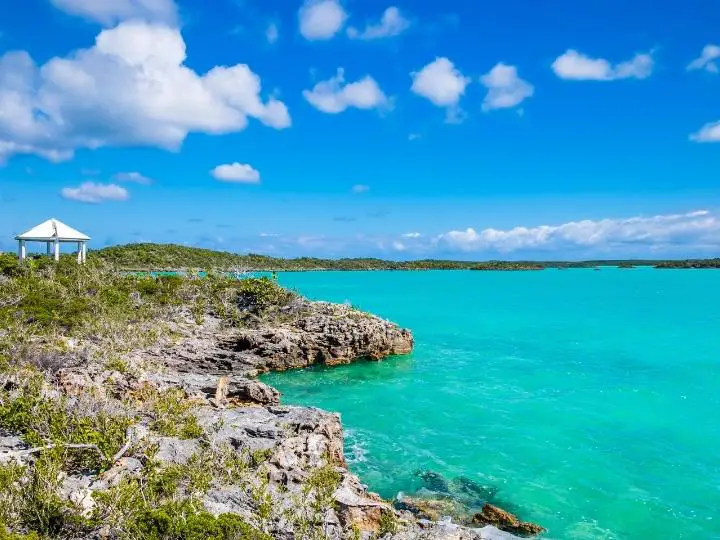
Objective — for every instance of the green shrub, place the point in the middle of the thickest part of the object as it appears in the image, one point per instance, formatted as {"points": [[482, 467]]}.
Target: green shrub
{"points": [[31, 500], [262, 293], [183, 521], [171, 412], [9, 265], [43, 420], [388, 522]]}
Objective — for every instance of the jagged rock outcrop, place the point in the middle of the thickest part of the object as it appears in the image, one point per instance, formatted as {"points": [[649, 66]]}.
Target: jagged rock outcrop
{"points": [[215, 366], [312, 333], [492, 515]]}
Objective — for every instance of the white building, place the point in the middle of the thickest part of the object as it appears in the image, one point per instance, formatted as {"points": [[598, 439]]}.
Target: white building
{"points": [[53, 233]]}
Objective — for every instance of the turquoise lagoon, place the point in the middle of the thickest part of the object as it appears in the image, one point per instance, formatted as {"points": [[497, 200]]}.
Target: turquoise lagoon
{"points": [[590, 400]]}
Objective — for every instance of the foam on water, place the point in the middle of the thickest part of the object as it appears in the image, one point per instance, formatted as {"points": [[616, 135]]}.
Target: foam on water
{"points": [[586, 400]]}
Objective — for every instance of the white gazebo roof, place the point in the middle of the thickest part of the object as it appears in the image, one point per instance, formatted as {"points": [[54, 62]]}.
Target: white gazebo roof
{"points": [[51, 230]]}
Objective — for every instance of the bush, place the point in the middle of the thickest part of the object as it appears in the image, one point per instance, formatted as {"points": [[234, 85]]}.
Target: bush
{"points": [[171, 412], [9, 265], [259, 294], [41, 420]]}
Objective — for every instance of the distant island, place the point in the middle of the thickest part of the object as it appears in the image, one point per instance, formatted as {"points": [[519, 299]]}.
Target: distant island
{"points": [[170, 257], [174, 257]]}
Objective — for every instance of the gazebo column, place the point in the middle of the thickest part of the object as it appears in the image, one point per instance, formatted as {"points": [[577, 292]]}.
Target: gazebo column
{"points": [[84, 251], [57, 250], [21, 250], [79, 253]]}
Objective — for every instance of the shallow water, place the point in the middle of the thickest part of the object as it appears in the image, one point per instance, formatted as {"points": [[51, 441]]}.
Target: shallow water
{"points": [[590, 400]]}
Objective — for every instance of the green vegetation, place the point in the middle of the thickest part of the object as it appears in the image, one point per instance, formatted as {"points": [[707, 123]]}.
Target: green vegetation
{"points": [[171, 413], [28, 409], [59, 315], [41, 300], [691, 263], [171, 257], [164, 503]]}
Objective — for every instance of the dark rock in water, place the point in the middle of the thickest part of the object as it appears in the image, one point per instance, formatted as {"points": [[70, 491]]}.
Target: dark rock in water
{"points": [[475, 494], [434, 481], [432, 509], [505, 521]]}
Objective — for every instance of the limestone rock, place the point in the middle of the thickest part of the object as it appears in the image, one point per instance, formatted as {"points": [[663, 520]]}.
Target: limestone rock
{"points": [[505, 521], [434, 509], [176, 451], [331, 334], [239, 390], [9, 446], [314, 333]]}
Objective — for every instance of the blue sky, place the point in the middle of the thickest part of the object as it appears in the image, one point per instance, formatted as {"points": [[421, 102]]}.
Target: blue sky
{"points": [[456, 129]]}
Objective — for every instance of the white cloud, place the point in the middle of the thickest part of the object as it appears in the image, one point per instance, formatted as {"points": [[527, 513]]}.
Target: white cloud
{"points": [[236, 172], [134, 177], [398, 246], [412, 235], [360, 188], [697, 228], [392, 23], [90, 192], [577, 66], [272, 33], [110, 12], [130, 88], [505, 88], [707, 58], [321, 19], [440, 82], [333, 96], [710, 132]]}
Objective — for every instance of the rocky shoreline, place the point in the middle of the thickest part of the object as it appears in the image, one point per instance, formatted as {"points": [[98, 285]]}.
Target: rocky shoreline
{"points": [[214, 368]]}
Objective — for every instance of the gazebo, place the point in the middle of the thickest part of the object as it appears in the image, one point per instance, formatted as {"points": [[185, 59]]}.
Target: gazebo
{"points": [[53, 233]]}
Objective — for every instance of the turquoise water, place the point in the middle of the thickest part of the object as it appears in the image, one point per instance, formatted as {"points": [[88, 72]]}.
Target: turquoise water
{"points": [[590, 400]]}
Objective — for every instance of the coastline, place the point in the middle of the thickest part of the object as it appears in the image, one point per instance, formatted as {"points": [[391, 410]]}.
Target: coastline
{"points": [[181, 389], [336, 335]]}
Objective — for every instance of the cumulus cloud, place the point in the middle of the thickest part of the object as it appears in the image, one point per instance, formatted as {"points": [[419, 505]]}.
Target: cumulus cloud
{"points": [[505, 88], [360, 188], [392, 23], [398, 246], [110, 12], [710, 132], [321, 19], [707, 58], [440, 82], [335, 96], [412, 235], [236, 172], [130, 88], [693, 228], [272, 33], [134, 177], [90, 192], [579, 67]]}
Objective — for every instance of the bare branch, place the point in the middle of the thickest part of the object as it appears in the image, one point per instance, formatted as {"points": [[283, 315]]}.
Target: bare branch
{"points": [[27, 452], [129, 436]]}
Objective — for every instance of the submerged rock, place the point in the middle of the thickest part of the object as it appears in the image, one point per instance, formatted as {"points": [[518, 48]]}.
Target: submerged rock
{"points": [[471, 492], [434, 481], [429, 508]]}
